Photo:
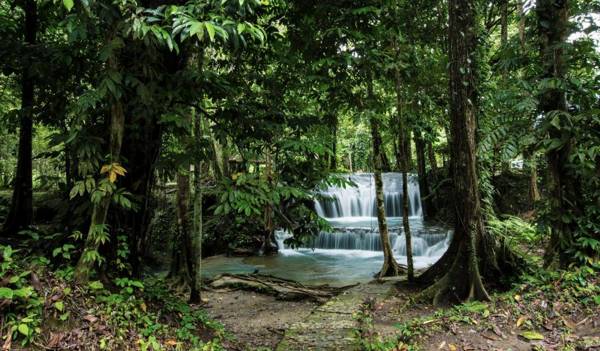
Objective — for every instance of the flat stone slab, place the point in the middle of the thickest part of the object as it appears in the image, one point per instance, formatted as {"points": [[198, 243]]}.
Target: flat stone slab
{"points": [[331, 326]]}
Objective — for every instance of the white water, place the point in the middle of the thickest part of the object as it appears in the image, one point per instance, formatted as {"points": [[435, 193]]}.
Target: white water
{"points": [[351, 253], [351, 211]]}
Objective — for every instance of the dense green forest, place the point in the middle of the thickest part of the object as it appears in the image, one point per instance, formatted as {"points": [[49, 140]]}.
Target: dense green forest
{"points": [[300, 175]]}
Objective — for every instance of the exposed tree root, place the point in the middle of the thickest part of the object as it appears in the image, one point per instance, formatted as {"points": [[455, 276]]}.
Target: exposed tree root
{"points": [[391, 268]]}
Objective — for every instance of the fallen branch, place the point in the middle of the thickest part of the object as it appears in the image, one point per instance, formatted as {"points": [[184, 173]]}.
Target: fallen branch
{"points": [[282, 289]]}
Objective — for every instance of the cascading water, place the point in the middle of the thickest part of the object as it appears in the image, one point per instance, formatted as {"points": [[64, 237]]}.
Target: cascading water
{"points": [[351, 252], [359, 202], [352, 213]]}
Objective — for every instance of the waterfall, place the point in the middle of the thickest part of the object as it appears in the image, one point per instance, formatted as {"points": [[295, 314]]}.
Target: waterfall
{"points": [[359, 201], [352, 213]]}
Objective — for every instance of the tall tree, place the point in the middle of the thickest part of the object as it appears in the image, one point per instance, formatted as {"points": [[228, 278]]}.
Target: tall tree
{"points": [[390, 266], [462, 279], [403, 158], [20, 214], [552, 26]]}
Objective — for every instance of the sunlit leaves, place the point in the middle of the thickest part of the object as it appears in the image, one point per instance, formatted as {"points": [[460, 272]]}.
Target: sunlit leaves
{"points": [[68, 4], [112, 171]]}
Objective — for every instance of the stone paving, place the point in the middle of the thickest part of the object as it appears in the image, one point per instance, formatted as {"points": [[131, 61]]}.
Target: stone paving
{"points": [[332, 325]]}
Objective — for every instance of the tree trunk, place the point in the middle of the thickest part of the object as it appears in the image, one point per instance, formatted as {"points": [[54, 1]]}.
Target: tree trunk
{"points": [[20, 214], [196, 285], [503, 23], [181, 265], [404, 160], [268, 246], [552, 26], [334, 129], [521, 23], [432, 161], [462, 279], [406, 226], [530, 165], [100, 209], [427, 203], [390, 266]]}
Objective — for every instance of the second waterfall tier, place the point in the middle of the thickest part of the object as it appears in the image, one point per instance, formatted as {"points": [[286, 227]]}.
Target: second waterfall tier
{"points": [[359, 201]]}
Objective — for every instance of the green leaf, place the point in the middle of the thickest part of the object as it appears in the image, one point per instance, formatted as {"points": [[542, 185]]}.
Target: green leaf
{"points": [[23, 292], [23, 329], [68, 4], [6, 293], [96, 285], [532, 335], [211, 30], [59, 305]]}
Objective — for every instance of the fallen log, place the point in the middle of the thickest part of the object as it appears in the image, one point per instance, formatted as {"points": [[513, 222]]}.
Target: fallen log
{"points": [[282, 289]]}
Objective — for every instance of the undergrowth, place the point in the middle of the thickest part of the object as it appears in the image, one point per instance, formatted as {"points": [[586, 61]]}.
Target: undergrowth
{"points": [[40, 307]]}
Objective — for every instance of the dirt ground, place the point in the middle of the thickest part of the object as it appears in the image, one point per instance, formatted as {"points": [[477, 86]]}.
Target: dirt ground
{"points": [[497, 328], [255, 320]]}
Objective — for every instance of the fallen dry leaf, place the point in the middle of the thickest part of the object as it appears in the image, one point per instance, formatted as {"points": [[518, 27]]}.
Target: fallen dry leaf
{"points": [[521, 320], [451, 347], [90, 318]]}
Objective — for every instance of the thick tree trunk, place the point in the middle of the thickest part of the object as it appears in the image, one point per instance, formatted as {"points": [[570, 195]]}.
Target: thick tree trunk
{"points": [[20, 214], [390, 266], [100, 209], [462, 279], [552, 25]]}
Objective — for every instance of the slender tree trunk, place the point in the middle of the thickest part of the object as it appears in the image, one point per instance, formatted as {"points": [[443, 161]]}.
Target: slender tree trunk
{"points": [[268, 246], [20, 214], [503, 22], [186, 264], [406, 226], [404, 159], [462, 280], [552, 25], [334, 129], [432, 161], [521, 23], [427, 203], [530, 165], [390, 266], [100, 209], [196, 285]]}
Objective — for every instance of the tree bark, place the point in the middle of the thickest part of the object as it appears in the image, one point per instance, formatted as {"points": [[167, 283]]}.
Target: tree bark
{"points": [[196, 282], [552, 26], [432, 160], [521, 23], [503, 22], [186, 265], [20, 214], [404, 160], [462, 278], [268, 246], [427, 203]]}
